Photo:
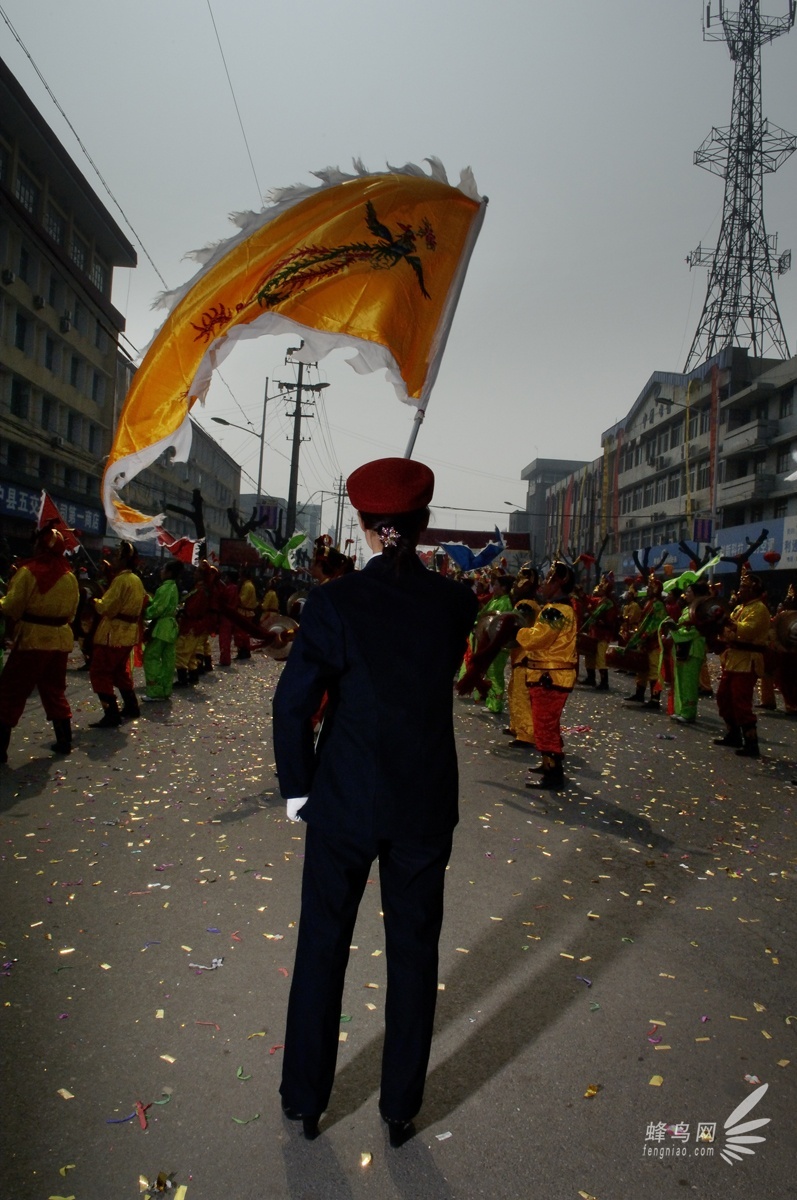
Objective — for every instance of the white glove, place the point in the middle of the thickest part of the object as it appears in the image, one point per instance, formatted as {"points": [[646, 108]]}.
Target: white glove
{"points": [[294, 807]]}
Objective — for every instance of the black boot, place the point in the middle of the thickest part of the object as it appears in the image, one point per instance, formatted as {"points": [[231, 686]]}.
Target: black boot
{"points": [[111, 717], [733, 737], [603, 686], [638, 696], [130, 706], [552, 774], [750, 748], [654, 701], [193, 677], [182, 677], [63, 736], [208, 662], [589, 676], [5, 738], [244, 652]]}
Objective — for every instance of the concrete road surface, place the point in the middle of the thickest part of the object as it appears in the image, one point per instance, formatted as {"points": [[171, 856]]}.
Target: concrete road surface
{"points": [[617, 967]]}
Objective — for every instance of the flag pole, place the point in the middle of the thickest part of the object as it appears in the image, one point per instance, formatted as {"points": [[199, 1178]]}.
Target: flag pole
{"points": [[416, 425]]}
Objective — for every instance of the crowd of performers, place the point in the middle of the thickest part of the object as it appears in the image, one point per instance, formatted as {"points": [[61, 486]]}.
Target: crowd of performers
{"points": [[122, 616], [524, 653], [660, 632]]}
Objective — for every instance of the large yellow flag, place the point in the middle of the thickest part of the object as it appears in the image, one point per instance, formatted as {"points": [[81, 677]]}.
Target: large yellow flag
{"points": [[375, 262]]}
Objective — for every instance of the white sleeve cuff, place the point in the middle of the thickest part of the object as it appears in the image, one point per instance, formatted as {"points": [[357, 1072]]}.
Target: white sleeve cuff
{"points": [[294, 807]]}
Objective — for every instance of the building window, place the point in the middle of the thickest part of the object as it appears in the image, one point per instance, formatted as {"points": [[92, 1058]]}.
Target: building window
{"points": [[676, 434], [72, 478], [784, 460], [637, 502], [95, 439], [54, 293], [5, 164], [74, 371], [786, 403], [647, 498], [673, 486], [55, 224], [24, 264], [49, 353], [27, 191], [756, 512], [705, 420], [99, 275], [21, 328], [781, 509], [79, 252], [97, 388], [703, 474], [20, 398], [74, 426], [80, 317], [49, 410], [100, 338], [92, 485], [661, 490]]}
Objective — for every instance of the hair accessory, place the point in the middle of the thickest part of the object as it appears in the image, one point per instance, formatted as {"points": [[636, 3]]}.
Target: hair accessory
{"points": [[388, 536]]}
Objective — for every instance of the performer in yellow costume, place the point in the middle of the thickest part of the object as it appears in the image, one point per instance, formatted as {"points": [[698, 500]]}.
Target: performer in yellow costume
{"points": [[120, 611], [247, 605], [523, 596], [42, 600], [550, 647], [745, 636]]}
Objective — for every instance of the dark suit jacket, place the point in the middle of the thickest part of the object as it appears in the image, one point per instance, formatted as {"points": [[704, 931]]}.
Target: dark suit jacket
{"points": [[385, 648]]}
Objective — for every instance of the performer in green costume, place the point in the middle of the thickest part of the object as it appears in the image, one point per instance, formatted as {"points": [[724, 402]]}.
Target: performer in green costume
{"points": [[159, 652], [499, 602], [689, 652]]}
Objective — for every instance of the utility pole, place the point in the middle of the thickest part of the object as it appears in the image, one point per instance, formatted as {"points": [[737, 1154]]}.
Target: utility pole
{"points": [[339, 514], [299, 386], [740, 304]]}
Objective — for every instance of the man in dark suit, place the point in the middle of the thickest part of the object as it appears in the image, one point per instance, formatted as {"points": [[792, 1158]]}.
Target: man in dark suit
{"points": [[384, 645]]}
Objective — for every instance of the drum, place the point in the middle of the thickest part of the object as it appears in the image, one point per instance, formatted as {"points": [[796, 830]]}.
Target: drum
{"points": [[634, 661], [784, 631], [285, 628]]}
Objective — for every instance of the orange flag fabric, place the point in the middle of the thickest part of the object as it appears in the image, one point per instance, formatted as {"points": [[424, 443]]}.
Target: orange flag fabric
{"points": [[371, 261]]}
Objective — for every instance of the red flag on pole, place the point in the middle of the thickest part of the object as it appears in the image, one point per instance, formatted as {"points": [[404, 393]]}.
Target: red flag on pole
{"points": [[183, 549], [49, 515]]}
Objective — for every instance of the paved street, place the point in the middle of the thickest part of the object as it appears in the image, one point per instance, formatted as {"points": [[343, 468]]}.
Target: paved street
{"points": [[637, 929]]}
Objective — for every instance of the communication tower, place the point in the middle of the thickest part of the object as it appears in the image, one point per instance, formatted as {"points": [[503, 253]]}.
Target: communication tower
{"points": [[740, 302]]}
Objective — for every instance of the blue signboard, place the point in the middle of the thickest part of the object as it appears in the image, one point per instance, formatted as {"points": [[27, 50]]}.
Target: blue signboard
{"points": [[730, 542], [21, 502]]}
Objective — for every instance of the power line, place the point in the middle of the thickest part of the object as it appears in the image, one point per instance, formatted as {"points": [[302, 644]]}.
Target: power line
{"points": [[235, 102], [80, 143]]}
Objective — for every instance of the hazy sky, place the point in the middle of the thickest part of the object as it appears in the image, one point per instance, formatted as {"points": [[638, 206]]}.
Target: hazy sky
{"points": [[579, 120]]}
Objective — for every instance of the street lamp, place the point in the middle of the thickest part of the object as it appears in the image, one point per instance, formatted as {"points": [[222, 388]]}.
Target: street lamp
{"points": [[260, 436]]}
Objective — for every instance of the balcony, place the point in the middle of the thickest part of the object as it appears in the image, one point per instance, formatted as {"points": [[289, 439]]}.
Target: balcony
{"points": [[756, 435], [746, 489]]}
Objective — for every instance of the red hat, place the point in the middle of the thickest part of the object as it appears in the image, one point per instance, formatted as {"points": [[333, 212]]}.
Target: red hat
{"points": [[391, 485]]}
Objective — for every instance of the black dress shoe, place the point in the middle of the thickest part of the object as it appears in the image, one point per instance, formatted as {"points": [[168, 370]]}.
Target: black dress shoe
{"points": [[399, 1132], [309, 1123]]}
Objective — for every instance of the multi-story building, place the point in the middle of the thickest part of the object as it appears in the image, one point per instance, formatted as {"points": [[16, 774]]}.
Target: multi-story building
{"points": [[540, 475], [702, 458], [58, 328]]}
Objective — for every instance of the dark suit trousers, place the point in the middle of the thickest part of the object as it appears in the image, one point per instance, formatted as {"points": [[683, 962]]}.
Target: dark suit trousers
{"points": [[336, 869]]}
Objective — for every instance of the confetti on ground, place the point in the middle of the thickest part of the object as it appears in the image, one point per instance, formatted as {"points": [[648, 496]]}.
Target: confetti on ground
{"points": [[656, 1080], [246, 1120], [65, 1094], [592, 1090], [366, 1158], [441, 1137]]}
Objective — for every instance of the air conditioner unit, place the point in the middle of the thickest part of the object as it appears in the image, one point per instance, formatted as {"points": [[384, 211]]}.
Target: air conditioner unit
{"points": [[56, 441], [7, 275], [65, 323], [39, 301]]}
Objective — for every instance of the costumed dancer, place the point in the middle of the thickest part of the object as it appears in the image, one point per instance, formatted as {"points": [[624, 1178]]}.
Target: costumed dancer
{"points": [[42, 600], [228, 602], [647, 638], [193, 622], [550, 647], [380, 782], [499, 602], [247, 607], [745, 635], [523, 596], [160, 649], [688, 652], [212, 584], [630, 616], [120, 611], [601, 625]]}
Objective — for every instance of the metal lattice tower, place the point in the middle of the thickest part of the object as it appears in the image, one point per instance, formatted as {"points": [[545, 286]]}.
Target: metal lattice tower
{"points": [[740, 302]]}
